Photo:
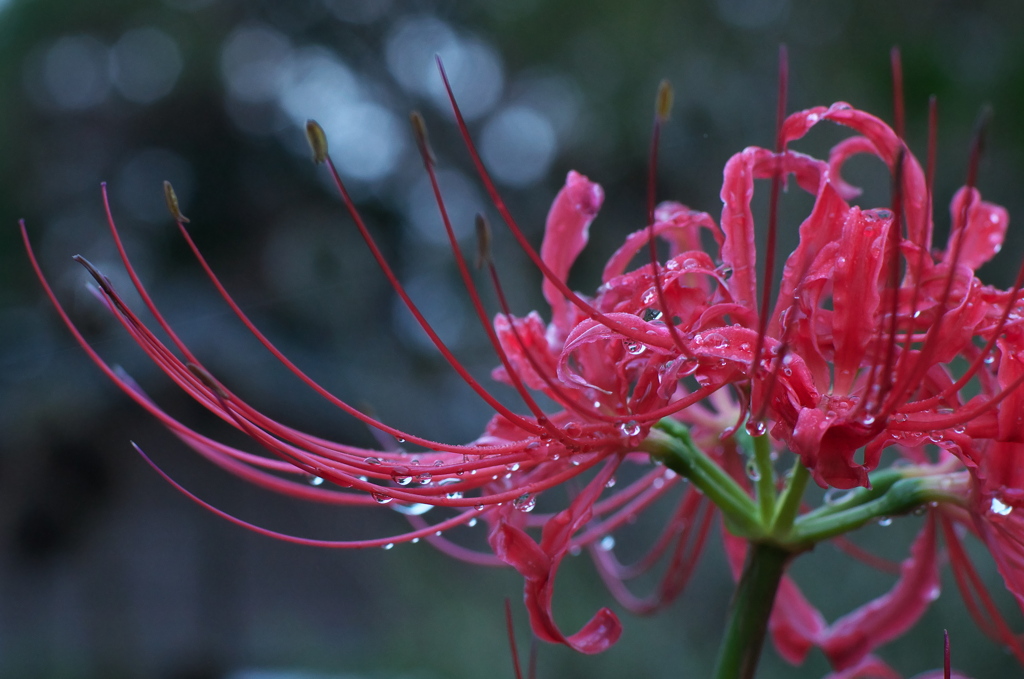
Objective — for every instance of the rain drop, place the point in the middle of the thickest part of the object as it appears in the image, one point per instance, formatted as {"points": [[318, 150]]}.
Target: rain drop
{"points": [[630, 428], [633, 347], [525, 502], [413, 509], [756, 427], [400, 475], [715, 340], [1000, 508]]}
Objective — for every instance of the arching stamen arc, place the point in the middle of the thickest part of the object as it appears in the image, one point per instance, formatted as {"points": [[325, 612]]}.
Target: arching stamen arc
{"points": [[773, 225], [517, 233], [420, 130], [518, 420], [458, 520], [662, 108]]}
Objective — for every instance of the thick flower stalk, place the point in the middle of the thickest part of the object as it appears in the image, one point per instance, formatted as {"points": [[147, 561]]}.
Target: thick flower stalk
{"points": [[686, 370]]}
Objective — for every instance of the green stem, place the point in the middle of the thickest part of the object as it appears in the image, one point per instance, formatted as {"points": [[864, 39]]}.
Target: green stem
{"points": [[765, 484], [789, 503], [751, 608], [901, 497], [670, 442]]}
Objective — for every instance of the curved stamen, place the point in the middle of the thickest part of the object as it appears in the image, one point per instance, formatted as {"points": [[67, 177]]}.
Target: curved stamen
{"points": [[517, 233], [662, 108], [518, 420], [422, 141]]}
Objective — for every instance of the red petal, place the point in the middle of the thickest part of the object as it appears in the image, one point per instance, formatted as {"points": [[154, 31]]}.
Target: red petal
{"points": [[565, 234], [985, 230], [855, 635]]}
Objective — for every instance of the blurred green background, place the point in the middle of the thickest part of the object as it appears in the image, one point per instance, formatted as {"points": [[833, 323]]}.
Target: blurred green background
{"points": [[107, 572]]}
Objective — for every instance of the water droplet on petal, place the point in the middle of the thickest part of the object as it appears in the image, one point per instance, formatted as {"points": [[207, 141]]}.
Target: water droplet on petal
{"points": [[1000, 508], [715, 340], [633, 347]]}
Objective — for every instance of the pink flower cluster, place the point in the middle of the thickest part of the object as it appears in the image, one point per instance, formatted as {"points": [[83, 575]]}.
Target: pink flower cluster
{"points": [[877, 341]]}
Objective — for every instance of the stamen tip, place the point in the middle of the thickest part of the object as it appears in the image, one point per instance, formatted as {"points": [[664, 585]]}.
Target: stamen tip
{"points": [[663, 103], [419, 128], [317, 141], [172, 204]]}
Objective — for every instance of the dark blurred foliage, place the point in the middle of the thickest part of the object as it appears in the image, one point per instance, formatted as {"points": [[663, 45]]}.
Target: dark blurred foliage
{"points": [[106, 571]]}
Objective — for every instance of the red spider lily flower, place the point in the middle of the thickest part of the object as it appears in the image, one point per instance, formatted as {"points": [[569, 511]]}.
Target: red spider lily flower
{"points": [[856, 354], [606, 361]]}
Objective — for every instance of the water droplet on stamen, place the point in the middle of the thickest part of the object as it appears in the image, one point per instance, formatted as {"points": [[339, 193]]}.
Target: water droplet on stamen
{"points": [[315, 480], [607, 543], [414, 509], [610, 483], [630, 428], [525, 502], [381, 498], [390, 545], [756, 428], [372, 460], [885, 521], [753, 473], [471, 523]]}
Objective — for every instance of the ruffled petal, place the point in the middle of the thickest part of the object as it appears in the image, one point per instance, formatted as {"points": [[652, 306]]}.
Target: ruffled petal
{"points": [[538, 564], [565, 235]]}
